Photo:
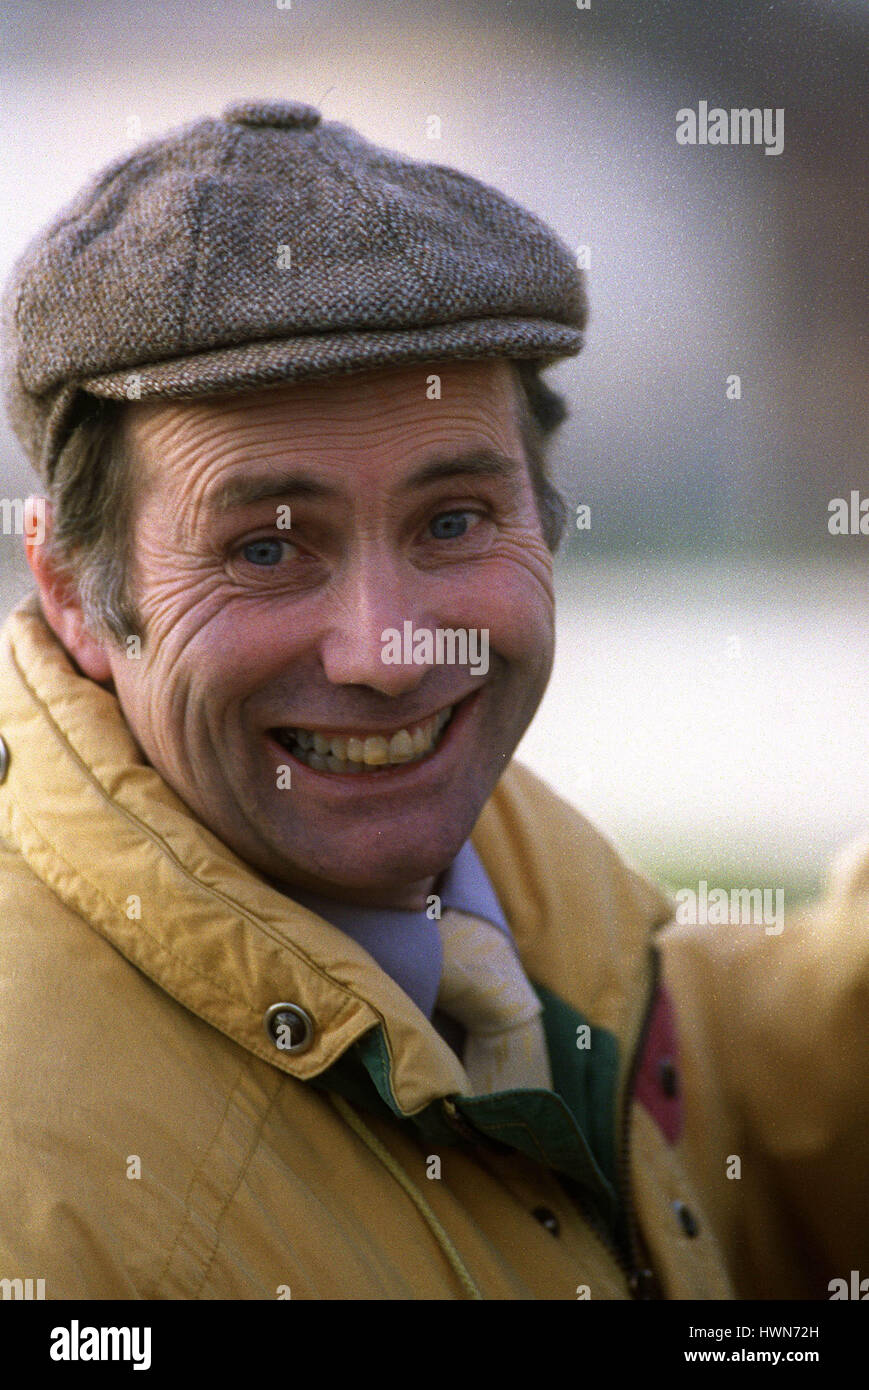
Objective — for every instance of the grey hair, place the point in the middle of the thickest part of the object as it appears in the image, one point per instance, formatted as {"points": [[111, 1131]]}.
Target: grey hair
{"points": [[91, 496], [91, 491], [541, 411]]}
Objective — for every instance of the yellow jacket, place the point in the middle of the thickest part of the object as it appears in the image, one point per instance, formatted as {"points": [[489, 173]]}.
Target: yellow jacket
{"points": [[155, 1143], [775, 1067]]}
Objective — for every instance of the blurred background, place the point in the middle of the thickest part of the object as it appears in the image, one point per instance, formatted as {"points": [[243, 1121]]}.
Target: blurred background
{"points": [[709, 708]]}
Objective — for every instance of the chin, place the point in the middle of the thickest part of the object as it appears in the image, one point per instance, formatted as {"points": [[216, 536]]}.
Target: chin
{"points": [[371, 866]]}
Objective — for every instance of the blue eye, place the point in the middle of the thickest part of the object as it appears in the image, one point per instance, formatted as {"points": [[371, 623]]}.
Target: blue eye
{"points": [[264, 552], [449, 525]]}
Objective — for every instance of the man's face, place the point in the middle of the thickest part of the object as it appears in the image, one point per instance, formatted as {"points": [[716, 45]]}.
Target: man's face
{"points": [[259, 637]]}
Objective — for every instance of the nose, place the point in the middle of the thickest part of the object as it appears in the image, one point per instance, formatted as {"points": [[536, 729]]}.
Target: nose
{"points": [[374, 597]]}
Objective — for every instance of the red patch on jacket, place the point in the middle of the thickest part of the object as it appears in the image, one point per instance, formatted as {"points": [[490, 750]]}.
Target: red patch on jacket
{"points": [[657, 1086]]}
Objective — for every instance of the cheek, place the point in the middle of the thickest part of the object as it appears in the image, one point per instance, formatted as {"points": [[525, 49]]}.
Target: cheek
{"points": [[207, 636], [253, 639], [514, 598]]}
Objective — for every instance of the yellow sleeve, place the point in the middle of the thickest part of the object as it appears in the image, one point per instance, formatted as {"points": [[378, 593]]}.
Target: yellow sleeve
{"points": [[774, 1045]]}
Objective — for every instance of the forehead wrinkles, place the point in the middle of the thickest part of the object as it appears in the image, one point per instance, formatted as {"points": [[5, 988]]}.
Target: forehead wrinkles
{"points": [[184, 447]]}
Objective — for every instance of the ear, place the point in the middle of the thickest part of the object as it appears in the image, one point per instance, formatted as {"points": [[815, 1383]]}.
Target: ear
{"points": [[58, 595]]}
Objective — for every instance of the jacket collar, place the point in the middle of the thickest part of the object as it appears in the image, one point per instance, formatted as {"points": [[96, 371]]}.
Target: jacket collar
{"points": [[211, 932]]}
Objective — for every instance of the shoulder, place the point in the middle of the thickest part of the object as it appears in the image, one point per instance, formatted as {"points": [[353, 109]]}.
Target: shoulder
{"points": [[534, 837], [775, 1056], [792, 989], [102, 1073]]}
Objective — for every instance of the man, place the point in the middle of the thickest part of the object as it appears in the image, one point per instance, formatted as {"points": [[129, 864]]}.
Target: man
{"points": [[308, 990]]}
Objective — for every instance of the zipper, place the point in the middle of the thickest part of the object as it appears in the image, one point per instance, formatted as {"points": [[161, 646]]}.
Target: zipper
{"points": [[641, 1280], [628, 1256], [456, 1122], [600, 1229], [572, 1190], [465, 1131]]}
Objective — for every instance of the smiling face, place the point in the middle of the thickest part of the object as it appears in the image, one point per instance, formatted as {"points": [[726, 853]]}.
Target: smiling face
{"points": [[264, 644]]}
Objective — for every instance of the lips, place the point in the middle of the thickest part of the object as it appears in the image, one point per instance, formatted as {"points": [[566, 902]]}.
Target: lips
{"points": [[359, 751]]}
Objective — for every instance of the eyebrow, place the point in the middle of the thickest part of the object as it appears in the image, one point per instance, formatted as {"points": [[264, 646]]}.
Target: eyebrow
{"points": [[245, 491]]}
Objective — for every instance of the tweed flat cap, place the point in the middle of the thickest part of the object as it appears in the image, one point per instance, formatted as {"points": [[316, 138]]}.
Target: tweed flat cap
{"points": [[270, 246]]}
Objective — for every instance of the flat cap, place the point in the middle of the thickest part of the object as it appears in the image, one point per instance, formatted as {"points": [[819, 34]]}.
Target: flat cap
{"points": [[270, 246]]}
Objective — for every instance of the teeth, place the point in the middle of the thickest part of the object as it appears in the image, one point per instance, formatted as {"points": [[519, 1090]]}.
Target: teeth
{"points": [[376, 751], [400, 747], [342, 754]]}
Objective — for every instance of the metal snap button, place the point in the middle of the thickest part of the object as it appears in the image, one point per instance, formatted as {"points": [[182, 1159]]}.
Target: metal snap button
{"points": [[668, 1077], [4, 758], [643, 1285], [289, 1027], [687, 1219], [547, 1218]]}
